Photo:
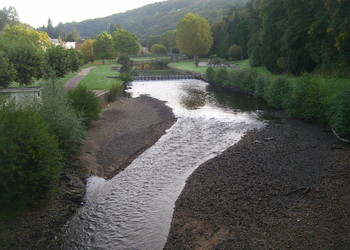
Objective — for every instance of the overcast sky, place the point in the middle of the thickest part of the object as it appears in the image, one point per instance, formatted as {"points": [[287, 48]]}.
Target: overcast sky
{"points": [[37, 12]]}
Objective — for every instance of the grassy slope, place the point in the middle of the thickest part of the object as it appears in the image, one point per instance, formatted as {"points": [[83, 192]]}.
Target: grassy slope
{"points": [[189, 65]]}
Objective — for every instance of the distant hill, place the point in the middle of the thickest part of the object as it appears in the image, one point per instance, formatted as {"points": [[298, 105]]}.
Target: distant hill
{"points": [[156, 18]]}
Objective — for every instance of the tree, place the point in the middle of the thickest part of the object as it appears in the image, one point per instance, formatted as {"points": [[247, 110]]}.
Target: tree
{"points": [[124, 60], [25, 58], [103, 46], [7, 72], [87, 49], [125, 42], [61, 61], [8, 17], [158, 49], [114, 27], [38, 39], [73, 35], [193, 35], [235, 52], [51, 30]]}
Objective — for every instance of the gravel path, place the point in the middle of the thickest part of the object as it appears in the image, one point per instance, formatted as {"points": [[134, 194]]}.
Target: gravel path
{"points": [[286, 186]]}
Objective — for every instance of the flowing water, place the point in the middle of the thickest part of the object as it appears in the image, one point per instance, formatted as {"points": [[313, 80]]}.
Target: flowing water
{"points": [[133, 210]]}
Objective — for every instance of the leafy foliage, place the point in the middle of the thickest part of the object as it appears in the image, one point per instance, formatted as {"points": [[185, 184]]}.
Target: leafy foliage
{"points": [[158, 49], [193, 36], [103, 46], [125, 42], [7, 72], [63, 120], [30, 159], [85, 102], [87, 49]]}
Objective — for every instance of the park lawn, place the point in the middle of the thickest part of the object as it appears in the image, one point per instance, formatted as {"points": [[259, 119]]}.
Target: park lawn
{"points": [[189, 66], [97, 79], [150, 58]]}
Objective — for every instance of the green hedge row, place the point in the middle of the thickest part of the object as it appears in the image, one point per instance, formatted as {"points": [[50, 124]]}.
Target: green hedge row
{"points": [[308, 97], [38, 137]]}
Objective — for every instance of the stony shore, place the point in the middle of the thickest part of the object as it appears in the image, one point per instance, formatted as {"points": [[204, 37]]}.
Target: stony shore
{"points": [[285, 186]]}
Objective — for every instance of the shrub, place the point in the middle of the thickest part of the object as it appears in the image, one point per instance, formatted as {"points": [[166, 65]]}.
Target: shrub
{"points": [[64, 121], [261, 83], [125, 77], [158, 49], [278, 92], [340, 120], [30, 160], [210, 74], [85, 102], [306, 99], [113, 91], [235, 52]]}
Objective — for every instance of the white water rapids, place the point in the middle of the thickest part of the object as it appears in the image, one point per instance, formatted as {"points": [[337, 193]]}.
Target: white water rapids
{"points": [[133, 210]]}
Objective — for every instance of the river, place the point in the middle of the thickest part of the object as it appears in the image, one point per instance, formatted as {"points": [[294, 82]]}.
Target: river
{"points": [[133, 210]]}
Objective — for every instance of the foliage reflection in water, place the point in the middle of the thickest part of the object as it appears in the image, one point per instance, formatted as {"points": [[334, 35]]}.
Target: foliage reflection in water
{"points": [[134, 209]]}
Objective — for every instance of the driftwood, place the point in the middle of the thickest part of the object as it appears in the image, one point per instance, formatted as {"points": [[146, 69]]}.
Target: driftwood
{"points": [[336, 135]]}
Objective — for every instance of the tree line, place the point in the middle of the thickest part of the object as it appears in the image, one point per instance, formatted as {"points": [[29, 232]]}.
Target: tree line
{"points": [[288, 36]]}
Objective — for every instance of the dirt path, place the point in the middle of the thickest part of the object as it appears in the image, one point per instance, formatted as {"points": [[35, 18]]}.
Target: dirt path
{"points": [[73, 82], [286, 186]]}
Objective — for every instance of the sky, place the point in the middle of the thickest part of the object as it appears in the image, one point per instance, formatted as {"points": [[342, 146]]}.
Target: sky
{"points": [[37, 12]]}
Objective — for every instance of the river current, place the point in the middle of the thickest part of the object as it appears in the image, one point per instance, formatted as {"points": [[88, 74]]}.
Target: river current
{"points": [[133, 210]]}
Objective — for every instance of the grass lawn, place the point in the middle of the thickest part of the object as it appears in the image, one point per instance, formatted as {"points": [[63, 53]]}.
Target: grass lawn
{"points": [[97, 79], [189, 65], [149, 58]]}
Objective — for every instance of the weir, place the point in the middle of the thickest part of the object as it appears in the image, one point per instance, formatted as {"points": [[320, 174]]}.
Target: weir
{"points": [[162, 77]]}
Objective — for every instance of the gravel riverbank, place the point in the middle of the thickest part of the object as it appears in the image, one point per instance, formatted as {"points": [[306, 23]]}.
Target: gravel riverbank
{"points": [[285, 186]]}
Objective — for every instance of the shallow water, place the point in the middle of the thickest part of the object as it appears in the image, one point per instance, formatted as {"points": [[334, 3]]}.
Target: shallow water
{"points": [[133, 210]]}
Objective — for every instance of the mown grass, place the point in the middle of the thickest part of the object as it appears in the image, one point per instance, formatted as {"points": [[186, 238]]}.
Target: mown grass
{"points": [[149, 58], [189, 65], [98, 77]]}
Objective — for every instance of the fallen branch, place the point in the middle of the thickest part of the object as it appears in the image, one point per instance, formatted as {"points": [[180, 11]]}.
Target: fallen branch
{"points": [[336, 135]]}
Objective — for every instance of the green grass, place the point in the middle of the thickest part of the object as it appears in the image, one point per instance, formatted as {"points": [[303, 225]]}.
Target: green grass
{"points": [[148, 59], [97, 77], [189, 65], [242, 64]]}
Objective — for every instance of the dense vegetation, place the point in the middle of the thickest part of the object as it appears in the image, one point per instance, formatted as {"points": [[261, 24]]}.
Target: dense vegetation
{"points": [[153, 19], [309, 97], [289, 36]]}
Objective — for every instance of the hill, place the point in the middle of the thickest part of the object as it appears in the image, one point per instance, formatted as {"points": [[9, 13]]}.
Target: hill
{"points": [[156, 18]]}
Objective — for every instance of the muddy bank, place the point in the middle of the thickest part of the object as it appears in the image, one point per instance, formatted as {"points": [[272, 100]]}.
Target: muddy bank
{"points": [[127, 127], [285, 186]]}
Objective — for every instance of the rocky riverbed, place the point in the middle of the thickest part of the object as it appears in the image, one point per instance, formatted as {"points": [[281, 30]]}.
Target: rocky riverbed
{"points": [[285, 186]]}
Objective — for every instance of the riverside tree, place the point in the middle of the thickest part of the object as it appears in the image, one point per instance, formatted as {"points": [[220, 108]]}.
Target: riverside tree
{"points": [[193, 35], [103, 46], [125, 42]]}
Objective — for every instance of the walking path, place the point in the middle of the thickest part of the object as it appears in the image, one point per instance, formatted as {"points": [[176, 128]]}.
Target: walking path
{"points": [[73, 82]]}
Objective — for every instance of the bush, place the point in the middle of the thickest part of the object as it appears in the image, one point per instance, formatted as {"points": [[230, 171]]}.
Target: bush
{"points": [[113, 91], [210, 74], [85, 102], [278, 92], [235, 52], [158, 49], [340, 120], [260, 85], [64, 121], [306, 99], [125, 77], [30, 161]]}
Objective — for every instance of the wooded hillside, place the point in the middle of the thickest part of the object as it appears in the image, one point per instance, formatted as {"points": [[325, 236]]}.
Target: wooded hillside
{"points": [[154, 19]]}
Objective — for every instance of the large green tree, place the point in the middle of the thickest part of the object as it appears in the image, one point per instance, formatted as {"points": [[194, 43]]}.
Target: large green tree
{"points": [[7, 71], [103, 46], [193, 35], [8, 16], [125, 42]]}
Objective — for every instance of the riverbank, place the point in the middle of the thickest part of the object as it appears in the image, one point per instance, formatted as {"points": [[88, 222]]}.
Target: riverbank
{"points": [[285, 186], [127, 128]]}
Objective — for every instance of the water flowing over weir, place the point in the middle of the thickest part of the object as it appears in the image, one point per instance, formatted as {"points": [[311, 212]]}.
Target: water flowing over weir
{"points": [[133, 210]]}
